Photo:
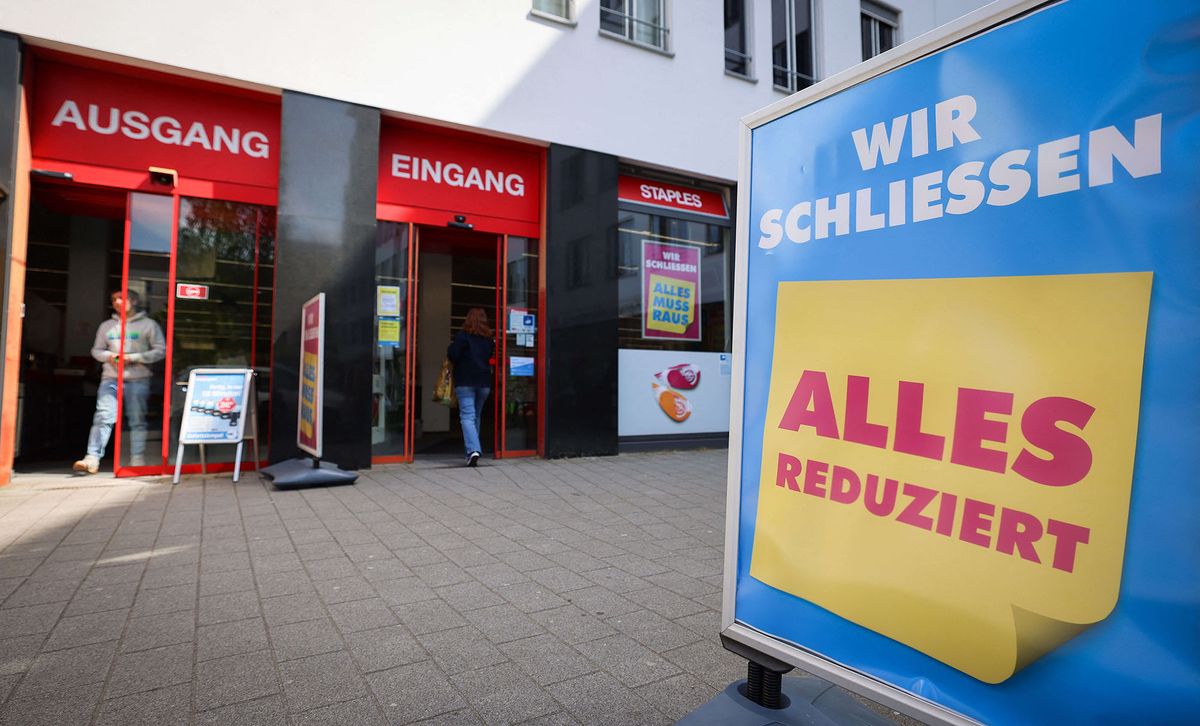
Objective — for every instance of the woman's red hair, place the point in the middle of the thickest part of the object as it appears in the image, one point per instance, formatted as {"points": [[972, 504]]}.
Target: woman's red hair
{"points": [[477, 323]]}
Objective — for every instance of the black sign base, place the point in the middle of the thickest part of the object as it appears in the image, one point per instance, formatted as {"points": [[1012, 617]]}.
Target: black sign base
{"points": [[810, 702], [307, 472]]}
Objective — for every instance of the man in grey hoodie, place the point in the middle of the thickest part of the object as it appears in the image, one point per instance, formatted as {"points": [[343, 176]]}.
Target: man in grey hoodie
{"points": [[144, 345]]}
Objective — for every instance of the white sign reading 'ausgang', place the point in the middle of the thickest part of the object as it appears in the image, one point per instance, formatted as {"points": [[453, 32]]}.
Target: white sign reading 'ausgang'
{"points": [[168, 130], [452, 174]]}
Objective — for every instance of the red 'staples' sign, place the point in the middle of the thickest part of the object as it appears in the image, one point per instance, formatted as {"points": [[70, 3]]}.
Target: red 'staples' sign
{"points": [[89, 116], [419, 167], [671, 196]]}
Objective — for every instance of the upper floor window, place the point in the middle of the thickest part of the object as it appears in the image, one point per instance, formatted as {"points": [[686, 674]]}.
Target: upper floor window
{"points": [[642, 21], [737, 45], [792, 44], [880, 26], [557, 9]]}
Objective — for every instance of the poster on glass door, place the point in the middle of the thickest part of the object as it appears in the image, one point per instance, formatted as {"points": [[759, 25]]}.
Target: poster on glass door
{"points": [[670, 291]]}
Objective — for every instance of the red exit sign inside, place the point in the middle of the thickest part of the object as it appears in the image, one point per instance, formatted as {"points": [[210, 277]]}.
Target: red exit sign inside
{"points": [[192, 292]]}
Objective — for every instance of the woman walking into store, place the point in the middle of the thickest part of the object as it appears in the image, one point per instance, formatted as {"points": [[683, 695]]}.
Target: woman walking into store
{"points": [[471, 353]]}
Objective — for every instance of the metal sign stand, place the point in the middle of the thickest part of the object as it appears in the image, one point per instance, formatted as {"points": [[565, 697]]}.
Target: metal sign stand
{"points": [[249, 407]]}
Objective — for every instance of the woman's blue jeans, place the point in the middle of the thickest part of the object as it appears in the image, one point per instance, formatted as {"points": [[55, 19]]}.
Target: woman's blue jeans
{"points": [[470, 403]]}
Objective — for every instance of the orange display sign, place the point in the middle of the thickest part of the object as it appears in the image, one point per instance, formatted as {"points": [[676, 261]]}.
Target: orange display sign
{"points": [[948, 462]]}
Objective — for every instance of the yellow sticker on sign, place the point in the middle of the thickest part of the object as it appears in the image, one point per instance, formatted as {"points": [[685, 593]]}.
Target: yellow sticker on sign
{"points": [[948, 462], [672, 304]]}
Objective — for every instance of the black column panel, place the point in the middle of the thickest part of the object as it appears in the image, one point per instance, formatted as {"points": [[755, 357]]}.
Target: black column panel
{"points": [[581, 303], [10, 104], [326, 243]]}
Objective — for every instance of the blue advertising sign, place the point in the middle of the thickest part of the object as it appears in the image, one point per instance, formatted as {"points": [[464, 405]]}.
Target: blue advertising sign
{"points": [[216, 400], [963, 458]]}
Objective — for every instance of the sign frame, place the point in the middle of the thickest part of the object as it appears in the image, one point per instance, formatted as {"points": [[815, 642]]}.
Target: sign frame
{"points": [[318, 335], [972, 24]]}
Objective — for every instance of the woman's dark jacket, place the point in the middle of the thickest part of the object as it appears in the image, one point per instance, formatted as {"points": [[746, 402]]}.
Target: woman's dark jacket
{"points": [[471, 356]]}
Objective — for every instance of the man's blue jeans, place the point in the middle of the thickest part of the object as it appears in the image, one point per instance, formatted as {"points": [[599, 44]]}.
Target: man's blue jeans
{"points": [[137, 391], [470, 403]]}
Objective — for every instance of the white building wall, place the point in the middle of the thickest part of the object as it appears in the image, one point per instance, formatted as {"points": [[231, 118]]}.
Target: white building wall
{"points": [[477, 63]]}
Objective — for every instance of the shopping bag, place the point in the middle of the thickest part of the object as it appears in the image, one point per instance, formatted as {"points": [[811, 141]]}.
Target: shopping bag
{"points": [[443, 390]]}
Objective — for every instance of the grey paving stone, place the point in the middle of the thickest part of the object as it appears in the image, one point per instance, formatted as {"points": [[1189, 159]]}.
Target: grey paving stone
{"points": [[11, 566], [67, 669], [560, 579], [708, 661], [469, 596], [503, 623], [101, 598], [359, 712], [414, 692], [497, 575], [665, 603], [225, 562], [617, 580], [421, 555], [461, 649], [577, 561], [525, 561], [404, 591], [77, 571], [165, 707], [7, 586], [334, 568], [271, 546], [170, 577], [683, 585], [165, 600], [503, 694], [232, 638], [361, 615], [367, 552], [155, 631], [471, 556], [626, 659], [7, 683], [17, 654], [150, 669], [558, 718], [345, 590], [55, 709], [85, 629], [573, 625], [114, 574], [677, 696], [547, 659], [441, 574], [29, 620], [376, 650], [36, 592], [653, 630], [223, 681], [301, 640], [530, 597], [598, 698], [293, 608], [323, 550], [217, 583], [274, 563], [428, 616], [320, 680], [275, 584], [378, 571], [270, 711], [495, 544], [228, 606], [602, 602], [465, 717]]}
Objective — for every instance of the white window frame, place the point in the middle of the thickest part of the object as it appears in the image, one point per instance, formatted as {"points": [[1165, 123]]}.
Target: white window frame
{"points": [[629, 35], [878, 13], [748, 40], [568, 19], [792, 73]]}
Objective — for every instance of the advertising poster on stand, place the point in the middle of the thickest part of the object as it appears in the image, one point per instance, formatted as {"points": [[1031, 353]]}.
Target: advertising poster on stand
{"points": [[670, 291], [312, 349], [216, 399], [962, 471]]}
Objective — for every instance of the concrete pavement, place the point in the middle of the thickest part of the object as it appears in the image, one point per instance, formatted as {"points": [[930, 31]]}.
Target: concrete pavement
{"points": [[525, 591]]}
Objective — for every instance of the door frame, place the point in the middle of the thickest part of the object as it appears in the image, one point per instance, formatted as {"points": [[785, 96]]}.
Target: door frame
{"points": [[128, 183]]}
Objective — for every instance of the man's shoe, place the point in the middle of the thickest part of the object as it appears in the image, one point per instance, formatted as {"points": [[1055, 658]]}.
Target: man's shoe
{"points": [[87, 465], [137, 461], [473, 459]]}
